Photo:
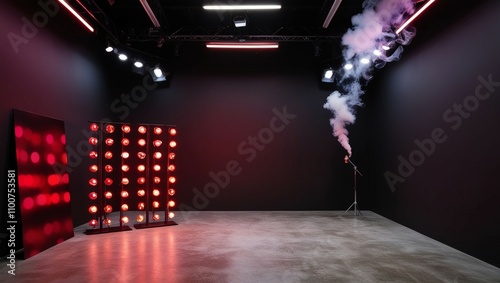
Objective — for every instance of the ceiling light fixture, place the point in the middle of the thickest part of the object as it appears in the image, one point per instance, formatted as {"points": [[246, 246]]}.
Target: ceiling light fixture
{"points": [[84, 22], [243, 45], [331, 13], [150, 13], [327, 76], [242, 7], [414, 16]]}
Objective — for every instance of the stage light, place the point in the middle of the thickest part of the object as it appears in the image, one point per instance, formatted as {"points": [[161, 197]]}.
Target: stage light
{"points": [[108, 209], [156, 167], [93, 196], [93, 168], [108, 195], [156, 217], [156, 204], [171, 180], [108, 181], [243, 45], [364, 61], [93, 223], [348, 66], [108, 168], [171, 215], [171, 167], [126, 129], [157, 155], [240, 22], [109, 141], [93, 182], [122, 57], [125, 141], [386, 47], [107, 221], [172, 144], [93, 154], [141, 142], [124, 219], [171, 203], [109, 48], [156, 180], [124, 207], [377, 52], [141, 180], [142, 129], [124, 194], [94, 127], [110, 128], [138, 64], [172, 131], [156, 192], [157, 143], [141, 193], [242, 7], [158, 74], [125, 168], [171, 192], [171, 155], [141, 168], [328, 76], [141, 155], [140, 206], [157, 130], [108, 154], [125, 155], [93, 140], [125, 181], [140, 218], [93, 209]]}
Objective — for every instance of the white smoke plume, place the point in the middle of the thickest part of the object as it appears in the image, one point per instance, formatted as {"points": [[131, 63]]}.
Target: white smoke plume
{"points": [[366, 45]]}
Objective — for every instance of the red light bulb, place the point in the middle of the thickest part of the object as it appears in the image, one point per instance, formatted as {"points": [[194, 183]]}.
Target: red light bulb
{"points": [[94, 127]]}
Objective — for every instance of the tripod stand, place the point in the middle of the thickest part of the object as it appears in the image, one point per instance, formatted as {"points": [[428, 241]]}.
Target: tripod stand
{"points": [[354, 205]]}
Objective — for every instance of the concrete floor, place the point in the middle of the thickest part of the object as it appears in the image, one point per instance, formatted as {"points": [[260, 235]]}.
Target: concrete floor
{"points": [[309, 246]]}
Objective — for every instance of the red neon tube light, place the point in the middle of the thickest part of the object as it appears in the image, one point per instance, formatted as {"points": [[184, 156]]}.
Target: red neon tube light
{"points": [[414, 16]]}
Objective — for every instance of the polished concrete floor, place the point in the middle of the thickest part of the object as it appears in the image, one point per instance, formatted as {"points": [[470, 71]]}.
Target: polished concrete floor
{"points": [[278, 246]]}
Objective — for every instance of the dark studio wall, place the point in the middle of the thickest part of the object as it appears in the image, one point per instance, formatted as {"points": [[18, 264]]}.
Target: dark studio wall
{"points": [[49, 67], [436, 148]]}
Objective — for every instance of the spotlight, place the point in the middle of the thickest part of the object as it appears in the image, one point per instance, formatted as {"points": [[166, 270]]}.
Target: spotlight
{"points": [[124, 207], [109, 49], [377, 52], [108, 181], [171, 203], [171, 192], [240, 22], [93, 140], [158, 74], [156, 204], [108, 195], [171, 215], [172, 144], [157, 155], [125, 141], [141, 155], [108, 168], [93, 209], [125, 181], [110, 128], [172, 132], [348, 66], [157, 130], [108, 154], [138, 64], [125, 155], [157, 143], [93, 168], [142, 129], [171, 180], [156, 192], [156, 217], [94, 127], [141, 193], [122, 57], [108, 209], [93, 182], [126, 128], [141, 142], [364, 61], [93, 196], [140, 206], [124, 194], [124, 219], [109, 141], [93, 154], [171, 167], [93, 223], [327, 76]]}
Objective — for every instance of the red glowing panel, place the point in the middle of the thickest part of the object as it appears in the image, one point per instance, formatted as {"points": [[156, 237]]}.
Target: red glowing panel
{"points": [[108, 209], [124, 207], [157, 180], [157, 155], [93, 223], [156, 217], [94, 127], [140, 218], [140, 206], [109, 141], [125, 181], [124, 219], [125, 155], [171, 203], [172, 144], [141, 193], [108, 168], [93, 182], [171, 180], [156, 204], [124, 194], [142, 129], [172, 132], [125, 141], [108, 154], [156, 192], [93, 209], [171, 167], [171, 215], [93, 196], [93, 154], [171, 155], [108, 194], [141, 180], [126, 129], [141, 155], [158, 130], [171, 192], [125, 168], [157, 143], [93, 140], [110, 128], [93, 168], [157, 167], [108, 181], [141, 142]]}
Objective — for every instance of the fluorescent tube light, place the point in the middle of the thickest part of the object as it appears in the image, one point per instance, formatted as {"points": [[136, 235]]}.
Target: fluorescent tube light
{"points": [[414, 16], [242, 7], [243, 45], [150, 13], [84, 22]]}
